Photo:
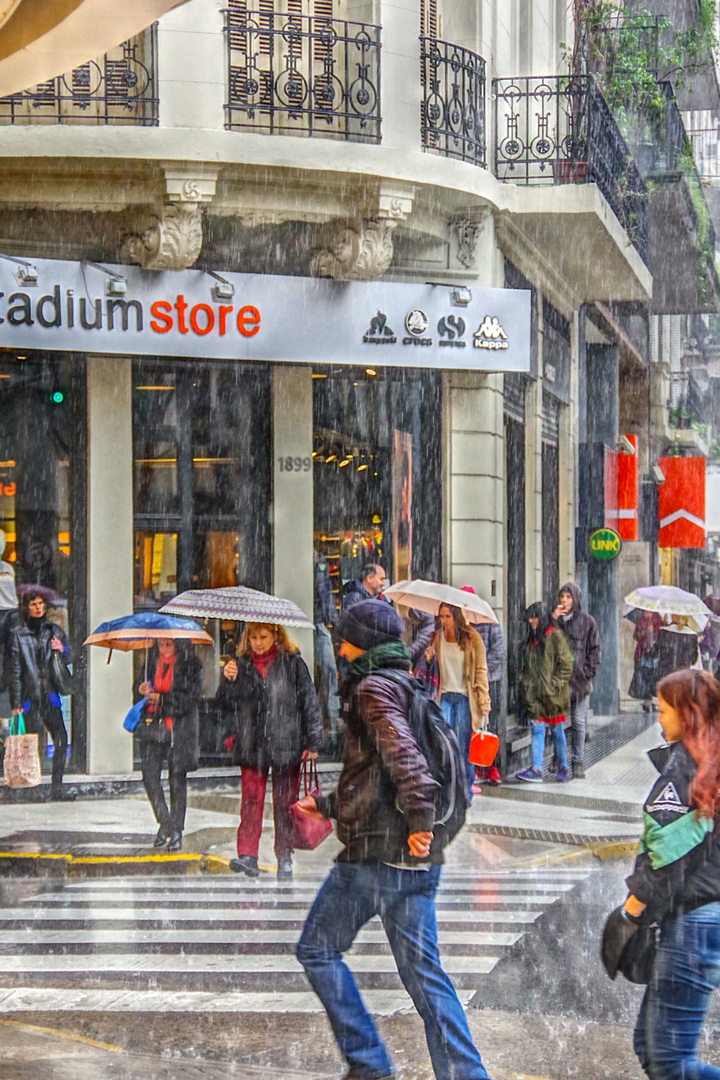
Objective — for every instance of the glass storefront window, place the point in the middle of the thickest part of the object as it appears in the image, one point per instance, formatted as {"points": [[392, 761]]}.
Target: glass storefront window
{"points": [[377, 472], [41, 435]]}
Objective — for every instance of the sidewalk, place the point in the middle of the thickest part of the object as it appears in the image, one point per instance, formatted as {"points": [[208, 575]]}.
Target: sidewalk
{"points": [[605, 807]]}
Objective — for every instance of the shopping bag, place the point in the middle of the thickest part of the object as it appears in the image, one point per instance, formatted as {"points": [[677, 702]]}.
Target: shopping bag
{"points": [[307, 832], [483, 748], [132, 719], [21, 766]]}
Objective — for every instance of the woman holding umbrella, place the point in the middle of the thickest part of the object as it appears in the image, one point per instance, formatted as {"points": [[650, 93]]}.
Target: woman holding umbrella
{"points": [[169, 729], [269, 695]]}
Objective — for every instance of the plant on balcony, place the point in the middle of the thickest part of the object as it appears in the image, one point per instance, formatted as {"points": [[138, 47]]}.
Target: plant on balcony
{"points": [[703, 222]]}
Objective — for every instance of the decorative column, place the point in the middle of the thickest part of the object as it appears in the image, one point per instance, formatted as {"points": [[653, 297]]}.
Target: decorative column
{"points": [[110, 556]]}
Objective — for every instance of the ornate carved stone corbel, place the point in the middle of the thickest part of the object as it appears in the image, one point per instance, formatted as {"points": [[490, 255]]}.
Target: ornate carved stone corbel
{"points": [[364, 251], [172, 240], [467, 231]]}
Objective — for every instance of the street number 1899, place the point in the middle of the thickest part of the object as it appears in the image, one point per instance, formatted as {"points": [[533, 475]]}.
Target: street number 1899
{"points": [[295, 464]]}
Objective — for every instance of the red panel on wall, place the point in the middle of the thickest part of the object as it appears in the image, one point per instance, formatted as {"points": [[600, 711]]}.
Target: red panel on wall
{"points": [[621, 498], [681, 503]]}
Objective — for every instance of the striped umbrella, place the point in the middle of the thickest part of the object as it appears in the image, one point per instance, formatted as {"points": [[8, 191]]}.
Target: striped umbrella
{"points": [[238, 603]]}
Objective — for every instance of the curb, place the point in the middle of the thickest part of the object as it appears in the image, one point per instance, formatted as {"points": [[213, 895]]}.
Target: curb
{"points": [[30, 864], [551, 836]]}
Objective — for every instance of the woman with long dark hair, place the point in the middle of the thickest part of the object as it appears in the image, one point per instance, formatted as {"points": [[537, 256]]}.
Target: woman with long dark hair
{"points": [[455, 666], [169, 730], [546, 669], [676, 879], [269, 699], [35, 688]]}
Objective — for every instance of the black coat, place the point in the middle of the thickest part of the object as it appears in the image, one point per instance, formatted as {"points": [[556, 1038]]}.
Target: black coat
{"points": [[181, 704], [31, 674], [583, 637], [273, 719]]}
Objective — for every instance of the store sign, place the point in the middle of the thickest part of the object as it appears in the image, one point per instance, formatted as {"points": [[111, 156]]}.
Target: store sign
{"points": [[605, 545], [79, 307], [681, 503]]}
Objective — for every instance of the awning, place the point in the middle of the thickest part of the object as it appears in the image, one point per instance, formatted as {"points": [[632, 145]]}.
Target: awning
{"points": [[40, 39]]}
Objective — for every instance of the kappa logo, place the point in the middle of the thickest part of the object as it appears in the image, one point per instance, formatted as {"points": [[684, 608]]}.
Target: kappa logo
{"points": [[379, 332], [490, 334], [668, 801]]}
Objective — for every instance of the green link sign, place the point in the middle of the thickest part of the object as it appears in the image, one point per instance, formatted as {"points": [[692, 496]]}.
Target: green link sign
{"points": [[605, 544]]}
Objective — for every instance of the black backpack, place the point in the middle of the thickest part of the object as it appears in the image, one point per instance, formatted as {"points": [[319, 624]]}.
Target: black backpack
{"points": [[439, 746]]}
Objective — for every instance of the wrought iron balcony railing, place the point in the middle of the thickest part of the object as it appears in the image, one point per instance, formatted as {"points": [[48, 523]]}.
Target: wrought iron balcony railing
{"points": [[560, 130], [453, 110], [706, 151], [120, 88], [302, 75]]}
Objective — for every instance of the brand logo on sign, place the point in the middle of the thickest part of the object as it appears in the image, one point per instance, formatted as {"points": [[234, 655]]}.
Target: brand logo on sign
{"points": [[416, 323], [605, 544], [490, 334], [379, 333], [451, 328]]}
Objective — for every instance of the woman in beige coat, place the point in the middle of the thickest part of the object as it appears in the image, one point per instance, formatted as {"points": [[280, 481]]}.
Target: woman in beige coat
{"points": [[463, 692]]}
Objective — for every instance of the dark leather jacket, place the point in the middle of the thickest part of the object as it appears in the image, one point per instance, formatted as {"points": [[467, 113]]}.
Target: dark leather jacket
{"points": [[31, 674], [181, 703], [386, 792]]}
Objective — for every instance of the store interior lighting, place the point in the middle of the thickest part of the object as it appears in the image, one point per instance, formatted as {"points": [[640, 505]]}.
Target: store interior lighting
{"points": [[330, 458], [370, 371]]}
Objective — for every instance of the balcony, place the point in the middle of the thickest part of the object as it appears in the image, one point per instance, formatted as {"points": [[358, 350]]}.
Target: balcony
{"points": [[119, 88], [453, 108], [560, 130], [302, 75], [681, 231]]}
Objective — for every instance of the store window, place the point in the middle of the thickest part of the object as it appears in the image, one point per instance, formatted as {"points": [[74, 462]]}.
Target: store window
{"points": [[42, 437], [377, 472], [201, 437]]}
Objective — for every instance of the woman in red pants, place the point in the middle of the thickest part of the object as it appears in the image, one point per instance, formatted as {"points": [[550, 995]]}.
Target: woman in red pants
{"points": [[268, 693]]}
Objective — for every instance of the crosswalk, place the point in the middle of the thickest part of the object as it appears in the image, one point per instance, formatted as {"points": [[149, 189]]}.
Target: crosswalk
{"points": [[223, 944]]}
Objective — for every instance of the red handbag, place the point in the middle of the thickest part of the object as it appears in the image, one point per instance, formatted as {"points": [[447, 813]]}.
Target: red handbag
{"points": [[483, 748], [308, 833]]}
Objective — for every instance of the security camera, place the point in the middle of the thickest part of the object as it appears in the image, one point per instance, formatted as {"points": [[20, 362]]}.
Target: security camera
{"points": [[625, 446], [658, 474]]}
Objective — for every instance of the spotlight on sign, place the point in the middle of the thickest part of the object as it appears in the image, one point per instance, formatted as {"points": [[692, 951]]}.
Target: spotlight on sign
{"points": [[223, 289]]}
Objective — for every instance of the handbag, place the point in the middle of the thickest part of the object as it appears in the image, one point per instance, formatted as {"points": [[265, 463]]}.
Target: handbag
{"points": [[629, 948], [153, 730], [309, 833], [644, 679], [132, 719], [63, 678], [21, 764], [483, 748]]}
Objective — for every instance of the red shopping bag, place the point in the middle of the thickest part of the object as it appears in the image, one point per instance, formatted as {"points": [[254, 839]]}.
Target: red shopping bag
{"points": [[309, 833], [483, 748], [21, 765]]}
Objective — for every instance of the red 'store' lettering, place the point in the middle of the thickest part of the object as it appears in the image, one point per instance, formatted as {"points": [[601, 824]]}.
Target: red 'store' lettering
{"points": [[202, 318]]}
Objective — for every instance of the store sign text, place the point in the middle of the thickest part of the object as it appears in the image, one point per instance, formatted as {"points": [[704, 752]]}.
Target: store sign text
{"points": [[76, 307]]}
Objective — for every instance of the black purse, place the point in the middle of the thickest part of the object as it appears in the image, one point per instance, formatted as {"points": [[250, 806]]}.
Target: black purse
{"points": [[629, 948], [62, 677], [153, 732]]}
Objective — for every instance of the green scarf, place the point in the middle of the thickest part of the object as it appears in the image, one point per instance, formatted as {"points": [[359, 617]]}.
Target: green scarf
{"points": [[380, 657]]}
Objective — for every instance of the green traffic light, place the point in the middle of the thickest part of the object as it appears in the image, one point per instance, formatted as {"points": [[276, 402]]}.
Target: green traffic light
{"points": [[58, 397]]}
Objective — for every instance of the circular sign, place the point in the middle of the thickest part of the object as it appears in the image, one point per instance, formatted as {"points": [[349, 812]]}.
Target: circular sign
{"points": [[416, 322], [605, 544]]}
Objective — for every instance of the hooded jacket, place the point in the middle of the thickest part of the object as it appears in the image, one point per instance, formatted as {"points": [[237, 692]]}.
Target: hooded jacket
{"points": [[545, 677], [678, 867], [583, 637], [385, 792]]}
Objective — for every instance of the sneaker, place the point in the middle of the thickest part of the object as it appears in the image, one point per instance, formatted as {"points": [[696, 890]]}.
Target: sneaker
{"points": [[493, 775], [476, 789], [563, 775], [532, 775], [245, 864], [578, 770]]}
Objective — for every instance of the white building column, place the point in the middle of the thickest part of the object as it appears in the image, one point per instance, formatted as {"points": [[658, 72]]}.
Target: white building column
{"points": [[110, 556], [293, 570], [533, 478], [401, 89]]}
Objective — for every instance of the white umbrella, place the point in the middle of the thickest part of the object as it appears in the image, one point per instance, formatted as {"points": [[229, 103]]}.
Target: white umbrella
{"points": [[429, 595], [667, 600], [239, 603]]}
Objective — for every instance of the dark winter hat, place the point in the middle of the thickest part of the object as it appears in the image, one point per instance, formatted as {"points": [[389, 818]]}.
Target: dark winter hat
{"points": [[370, 623]]}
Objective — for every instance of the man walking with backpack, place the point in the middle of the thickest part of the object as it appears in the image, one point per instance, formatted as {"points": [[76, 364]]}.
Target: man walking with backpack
{"points": [[394, 817]]}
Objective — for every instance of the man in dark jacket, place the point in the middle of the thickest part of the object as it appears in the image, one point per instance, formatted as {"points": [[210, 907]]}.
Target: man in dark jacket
{"points": [[583, 637], [385, 811], [368, 588], [325, 617]]}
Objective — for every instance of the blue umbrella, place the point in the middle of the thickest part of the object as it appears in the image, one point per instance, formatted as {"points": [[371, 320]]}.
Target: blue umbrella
{"points": [[137, 631]]}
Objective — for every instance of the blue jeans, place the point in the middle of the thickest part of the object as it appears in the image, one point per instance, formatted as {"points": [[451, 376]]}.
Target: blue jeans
{"points": [[456, 712], [326, 680], [687, 970], [557, 733], [578, 720], [405, 901]]}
